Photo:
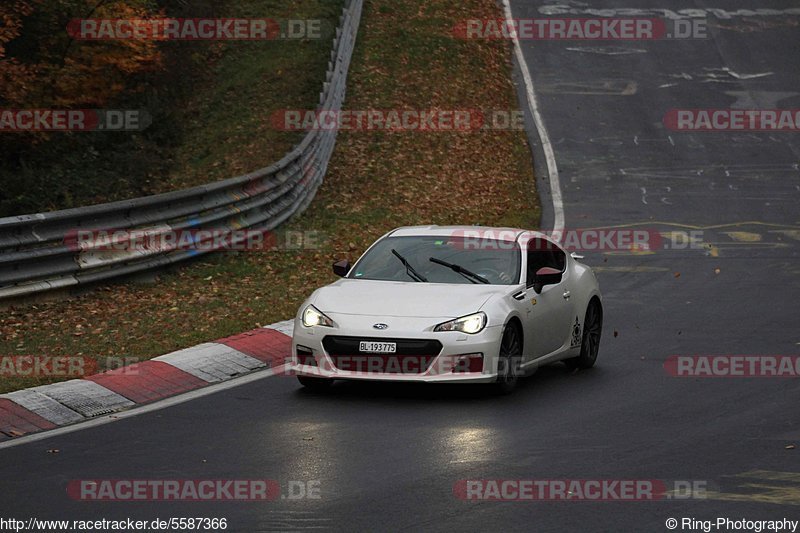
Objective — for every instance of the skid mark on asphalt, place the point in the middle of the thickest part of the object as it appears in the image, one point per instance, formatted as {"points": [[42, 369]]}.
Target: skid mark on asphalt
{"points": [[762, 486], [607, 50], [293, 521], [595, 87], [630, 269], [754, 25], [726, 75], [692, 172]]}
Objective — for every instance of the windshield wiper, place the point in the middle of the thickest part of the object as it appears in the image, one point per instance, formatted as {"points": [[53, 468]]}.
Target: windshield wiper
{"points": [[461, 270], [413, 274]]}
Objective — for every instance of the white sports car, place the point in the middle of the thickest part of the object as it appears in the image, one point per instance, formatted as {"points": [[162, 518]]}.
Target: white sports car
{"points": [[450, 304]]}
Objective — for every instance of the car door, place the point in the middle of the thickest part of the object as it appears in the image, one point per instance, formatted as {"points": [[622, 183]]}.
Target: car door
{"points": [[550, 313]]}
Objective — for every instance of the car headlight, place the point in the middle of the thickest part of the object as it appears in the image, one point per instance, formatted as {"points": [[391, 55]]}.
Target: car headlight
{"points": [[473, 323], [314, 317]]}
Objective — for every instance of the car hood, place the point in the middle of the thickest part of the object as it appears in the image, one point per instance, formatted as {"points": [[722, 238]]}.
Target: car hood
{"points": [[406, 299]]}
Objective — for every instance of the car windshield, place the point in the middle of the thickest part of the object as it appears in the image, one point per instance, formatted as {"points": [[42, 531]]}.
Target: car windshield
{"points": [[468, 260]]}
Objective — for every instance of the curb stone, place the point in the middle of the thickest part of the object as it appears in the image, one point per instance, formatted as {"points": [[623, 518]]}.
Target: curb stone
{"points": [[70, 402]]}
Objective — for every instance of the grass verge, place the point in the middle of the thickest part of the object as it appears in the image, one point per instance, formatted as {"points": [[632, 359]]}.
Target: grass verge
{"points": [[406, 57]]}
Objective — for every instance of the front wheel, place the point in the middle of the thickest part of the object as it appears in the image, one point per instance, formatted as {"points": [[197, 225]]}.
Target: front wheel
{"points": [[316, 384], [590, 342], [508, 363]]}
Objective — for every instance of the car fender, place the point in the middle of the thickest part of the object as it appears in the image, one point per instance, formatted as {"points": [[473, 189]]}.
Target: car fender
{"points": [[500, 309], [586, 287]]}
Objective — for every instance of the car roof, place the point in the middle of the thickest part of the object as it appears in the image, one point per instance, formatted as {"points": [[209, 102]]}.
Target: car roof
{"points": [[499, 233]]}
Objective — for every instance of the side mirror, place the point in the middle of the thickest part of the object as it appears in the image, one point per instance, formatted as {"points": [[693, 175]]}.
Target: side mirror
{"points": [[341, 268], [545, 276]]}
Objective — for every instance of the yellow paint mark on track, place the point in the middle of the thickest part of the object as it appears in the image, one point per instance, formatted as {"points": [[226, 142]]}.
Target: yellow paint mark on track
{"points": [[781, 488], [793, 477], [743, 236]]}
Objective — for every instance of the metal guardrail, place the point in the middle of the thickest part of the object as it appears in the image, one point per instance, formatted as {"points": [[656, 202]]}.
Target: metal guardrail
{"points": [[35, 254]]}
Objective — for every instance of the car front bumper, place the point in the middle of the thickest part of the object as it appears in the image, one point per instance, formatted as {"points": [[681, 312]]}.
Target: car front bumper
{"points": [[454, 345]]}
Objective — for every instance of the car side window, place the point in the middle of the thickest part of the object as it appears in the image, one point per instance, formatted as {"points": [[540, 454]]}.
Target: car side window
{"points": [[542, 253]]}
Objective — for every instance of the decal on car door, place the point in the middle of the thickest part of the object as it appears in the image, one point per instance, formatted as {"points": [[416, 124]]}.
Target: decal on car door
{"points": [[576, 334]]}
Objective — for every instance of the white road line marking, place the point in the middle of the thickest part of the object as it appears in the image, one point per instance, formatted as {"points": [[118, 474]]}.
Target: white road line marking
{"points": [[547, 146]]}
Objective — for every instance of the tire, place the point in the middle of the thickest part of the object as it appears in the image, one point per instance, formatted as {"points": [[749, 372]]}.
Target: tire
{"points": [[508, 372], [315, 384], [590, 341]]}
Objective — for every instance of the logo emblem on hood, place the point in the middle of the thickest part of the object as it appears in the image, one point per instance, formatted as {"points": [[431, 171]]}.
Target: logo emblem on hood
{"points": [[380, 326]]}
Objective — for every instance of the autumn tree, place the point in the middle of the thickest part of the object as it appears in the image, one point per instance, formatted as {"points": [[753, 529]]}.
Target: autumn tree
{"points": [[41, 65]]}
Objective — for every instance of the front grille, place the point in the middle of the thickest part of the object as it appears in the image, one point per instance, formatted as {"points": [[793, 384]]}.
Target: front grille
{"points": [[413, 356]]}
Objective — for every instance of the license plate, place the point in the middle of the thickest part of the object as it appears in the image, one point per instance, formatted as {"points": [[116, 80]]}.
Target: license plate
{"points": [[377, 347]]}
